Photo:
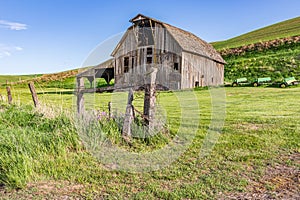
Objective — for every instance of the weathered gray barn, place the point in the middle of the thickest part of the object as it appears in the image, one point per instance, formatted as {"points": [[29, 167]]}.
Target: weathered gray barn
{"points": [[182, 59]]}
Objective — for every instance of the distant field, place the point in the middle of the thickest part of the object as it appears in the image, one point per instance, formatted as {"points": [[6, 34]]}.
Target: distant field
{"points": [[280, 30], [14, 78]]}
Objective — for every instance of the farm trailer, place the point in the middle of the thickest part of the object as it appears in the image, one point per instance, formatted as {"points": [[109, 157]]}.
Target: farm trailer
{"points": [[240, 81], [257, 81], [289, 81], [262, 81]]}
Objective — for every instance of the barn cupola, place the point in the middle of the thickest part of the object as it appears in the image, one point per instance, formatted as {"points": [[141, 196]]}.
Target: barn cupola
{"points": [[143, 21], [144, 29]]}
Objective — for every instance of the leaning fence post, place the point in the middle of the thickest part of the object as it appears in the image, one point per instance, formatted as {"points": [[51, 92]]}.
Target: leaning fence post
{"points": [[126, 130], [109, 110], [9, 97], [33, 94]]}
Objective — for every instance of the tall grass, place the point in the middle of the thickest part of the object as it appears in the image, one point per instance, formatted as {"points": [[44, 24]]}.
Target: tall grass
{"points": [[33, 146]]}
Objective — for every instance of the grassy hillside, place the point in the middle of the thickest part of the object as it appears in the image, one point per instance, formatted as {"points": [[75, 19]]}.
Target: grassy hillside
{"points": [[278, 62], [280, 30], [44, 156], [65, 80], [273, 51], [41, 78]]}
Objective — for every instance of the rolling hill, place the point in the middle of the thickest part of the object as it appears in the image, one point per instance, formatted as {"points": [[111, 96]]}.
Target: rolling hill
{"points": [[279, 30]]}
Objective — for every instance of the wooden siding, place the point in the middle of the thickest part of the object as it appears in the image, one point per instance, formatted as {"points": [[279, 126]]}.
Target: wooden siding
{"points": [[190, 71], [199, 69]]}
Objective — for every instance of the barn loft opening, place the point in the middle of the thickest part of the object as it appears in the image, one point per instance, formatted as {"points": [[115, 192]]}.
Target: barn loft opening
{"points": [[132, 62], [144, 30], [149, 51], [176, 66]]}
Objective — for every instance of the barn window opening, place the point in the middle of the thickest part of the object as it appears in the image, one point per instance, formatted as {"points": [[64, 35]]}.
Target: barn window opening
{"points": [[212, 79], [126, 64], [132, 62], [149, 60], [176, 66], [197, 84], [149, 51]]}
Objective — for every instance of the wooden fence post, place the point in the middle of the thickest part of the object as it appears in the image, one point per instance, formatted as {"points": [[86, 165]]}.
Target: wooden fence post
{"points": [[33, 94], [150, 100], [129, 115], [9, 97], [109, 110], [80, 99]]}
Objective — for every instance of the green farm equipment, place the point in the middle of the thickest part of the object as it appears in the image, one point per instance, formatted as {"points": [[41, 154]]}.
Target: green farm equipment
{"points": [[289, 81], [240, 81], [262, 81]]}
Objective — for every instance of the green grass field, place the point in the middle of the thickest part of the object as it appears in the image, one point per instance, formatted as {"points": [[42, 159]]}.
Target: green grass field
{"points": [[283, 29], [42, 153]]}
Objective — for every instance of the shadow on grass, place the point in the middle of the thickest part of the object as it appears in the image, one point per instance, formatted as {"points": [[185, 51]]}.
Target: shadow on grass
{"points": [[57, 92]]}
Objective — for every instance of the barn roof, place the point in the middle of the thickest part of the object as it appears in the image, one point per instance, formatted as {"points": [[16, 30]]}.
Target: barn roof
{"points": [[193, 44], [187, 41]]}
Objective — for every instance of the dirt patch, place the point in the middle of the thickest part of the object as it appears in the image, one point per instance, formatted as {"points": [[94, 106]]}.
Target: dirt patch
{"points": [[56, 187], [46, 190], [250, 126], [280, 181]]}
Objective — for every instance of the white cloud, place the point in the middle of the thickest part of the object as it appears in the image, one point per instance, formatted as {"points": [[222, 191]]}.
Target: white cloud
{"points": [[19, 48], [7, 50], [12, 25]]}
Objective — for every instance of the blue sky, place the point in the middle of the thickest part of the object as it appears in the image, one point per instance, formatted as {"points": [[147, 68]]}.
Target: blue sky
{"points": [[44, 36]]}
